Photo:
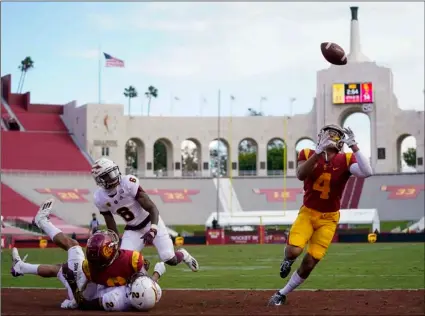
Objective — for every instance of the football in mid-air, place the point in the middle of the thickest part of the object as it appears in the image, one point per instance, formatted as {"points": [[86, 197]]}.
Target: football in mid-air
{"points": [[333, 53]]}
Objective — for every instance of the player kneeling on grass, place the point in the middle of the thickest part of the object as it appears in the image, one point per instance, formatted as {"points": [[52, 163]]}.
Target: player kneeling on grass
{"points": [[106, 264], [325, 173], [124, 196]]}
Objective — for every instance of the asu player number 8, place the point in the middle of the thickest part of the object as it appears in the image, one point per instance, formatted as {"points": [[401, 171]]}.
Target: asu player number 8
{"points": [[325, 172]]}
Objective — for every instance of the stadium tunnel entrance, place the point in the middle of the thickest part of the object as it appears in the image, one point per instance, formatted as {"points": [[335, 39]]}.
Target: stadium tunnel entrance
{"points": [[135, 157], [191, 157]]}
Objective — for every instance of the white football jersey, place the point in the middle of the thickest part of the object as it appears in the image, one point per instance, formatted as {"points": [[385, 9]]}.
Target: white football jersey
{"points": [[124, 202], [115, 299]]}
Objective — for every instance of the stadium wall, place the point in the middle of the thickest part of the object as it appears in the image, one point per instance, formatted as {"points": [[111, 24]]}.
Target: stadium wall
{"points": [[105, 125]]}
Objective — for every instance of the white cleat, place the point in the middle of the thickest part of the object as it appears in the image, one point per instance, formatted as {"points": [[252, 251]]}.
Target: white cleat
{"points": [[44, 212], [16, 263], [190, 261]]}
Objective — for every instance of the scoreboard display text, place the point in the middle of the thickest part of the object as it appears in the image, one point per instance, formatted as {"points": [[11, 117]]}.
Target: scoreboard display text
{"points": [[351, 93]]}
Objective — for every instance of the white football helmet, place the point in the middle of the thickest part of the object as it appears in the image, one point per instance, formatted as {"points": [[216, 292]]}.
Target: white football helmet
{"points": [[106, 173], [144, 292]]}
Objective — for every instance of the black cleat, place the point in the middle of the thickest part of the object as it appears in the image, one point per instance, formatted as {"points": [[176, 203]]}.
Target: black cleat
{"points": [[285, 268], [277, 299]]}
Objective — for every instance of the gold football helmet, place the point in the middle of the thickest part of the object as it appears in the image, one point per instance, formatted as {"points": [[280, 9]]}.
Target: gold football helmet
{"points": [[336, 134]]}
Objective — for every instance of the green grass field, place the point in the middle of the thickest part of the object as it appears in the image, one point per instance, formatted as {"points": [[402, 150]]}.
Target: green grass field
{"points": [[346, 266]]}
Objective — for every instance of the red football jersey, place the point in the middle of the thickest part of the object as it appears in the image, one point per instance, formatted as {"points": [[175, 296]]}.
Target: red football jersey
{"points": [[124, 266], [324, 187]]}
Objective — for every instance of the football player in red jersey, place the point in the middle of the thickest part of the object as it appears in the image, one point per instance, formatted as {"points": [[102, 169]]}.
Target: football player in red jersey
{"points": [[325, 172], [105, 265]]}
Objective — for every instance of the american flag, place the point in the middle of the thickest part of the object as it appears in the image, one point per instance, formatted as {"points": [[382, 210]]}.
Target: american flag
{"points": [[113, 62]]}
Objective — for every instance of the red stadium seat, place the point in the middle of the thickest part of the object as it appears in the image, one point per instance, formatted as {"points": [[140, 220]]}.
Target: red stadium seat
{"points": [[13, 204], [42, 152]]}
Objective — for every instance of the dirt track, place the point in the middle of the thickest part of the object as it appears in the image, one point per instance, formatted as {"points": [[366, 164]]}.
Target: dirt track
{"points": [[47, 302]]}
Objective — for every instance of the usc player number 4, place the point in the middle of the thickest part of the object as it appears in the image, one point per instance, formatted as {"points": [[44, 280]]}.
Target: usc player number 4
{"points": [[325, 172]]}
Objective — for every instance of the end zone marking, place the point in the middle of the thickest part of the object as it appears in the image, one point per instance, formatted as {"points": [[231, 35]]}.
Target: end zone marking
{"points": [[228, 289]]}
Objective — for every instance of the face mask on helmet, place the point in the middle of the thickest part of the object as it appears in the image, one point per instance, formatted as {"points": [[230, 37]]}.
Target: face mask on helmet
{"points": [[109, 179], [333, 135]]}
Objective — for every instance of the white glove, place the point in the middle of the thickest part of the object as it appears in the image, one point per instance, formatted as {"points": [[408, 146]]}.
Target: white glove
{"points": [[349, 140], [69, 304], [324, 143], [160, 268]]}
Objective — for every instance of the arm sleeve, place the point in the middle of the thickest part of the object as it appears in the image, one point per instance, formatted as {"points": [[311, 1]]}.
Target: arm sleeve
{"points": [[360, 166]]}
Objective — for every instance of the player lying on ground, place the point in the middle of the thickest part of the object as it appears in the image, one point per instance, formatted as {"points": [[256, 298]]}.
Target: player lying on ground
{"points": [[325, 173], [106, 264], [141, 293], [125, 197]]}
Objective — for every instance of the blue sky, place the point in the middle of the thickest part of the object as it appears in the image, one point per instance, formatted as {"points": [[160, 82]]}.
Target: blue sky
{"points": [[189, 50]]}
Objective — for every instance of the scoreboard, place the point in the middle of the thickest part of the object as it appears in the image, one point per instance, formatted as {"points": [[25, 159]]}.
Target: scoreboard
{"points": [[352, 93]]}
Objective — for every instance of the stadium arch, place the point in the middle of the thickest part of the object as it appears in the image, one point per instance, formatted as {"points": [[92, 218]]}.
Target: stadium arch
{"points": [[163, 157], [191, 147], [399, 143], [273, 168], [248, 157], [135, 156], [221, 155]]}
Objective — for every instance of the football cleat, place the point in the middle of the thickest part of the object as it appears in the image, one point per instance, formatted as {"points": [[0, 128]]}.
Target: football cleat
{"points": [[191, 262], [16, 263], [44, 212], [277, 299], [285, 268]]}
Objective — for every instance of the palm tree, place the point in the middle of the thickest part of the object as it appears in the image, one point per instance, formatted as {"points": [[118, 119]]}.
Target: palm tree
{"points": [[151, 93], [130, 93], [25, 65]]}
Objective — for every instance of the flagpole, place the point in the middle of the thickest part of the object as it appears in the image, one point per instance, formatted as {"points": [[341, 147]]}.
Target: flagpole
{"points": [[218, 155], [285, 156], [285, 133], [229, 154], [100, 76]]}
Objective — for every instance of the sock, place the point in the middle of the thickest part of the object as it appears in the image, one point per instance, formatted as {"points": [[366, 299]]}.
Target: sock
{"points": [[28, 268], [49, 229], [294, 282], [179, 256]]}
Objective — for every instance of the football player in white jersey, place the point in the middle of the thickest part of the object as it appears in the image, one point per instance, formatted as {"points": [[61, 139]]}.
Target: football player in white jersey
{"points": [[123, 196]]}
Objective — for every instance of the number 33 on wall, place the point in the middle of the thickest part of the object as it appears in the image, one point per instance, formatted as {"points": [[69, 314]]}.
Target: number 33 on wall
{"points": [[323, 185]]}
